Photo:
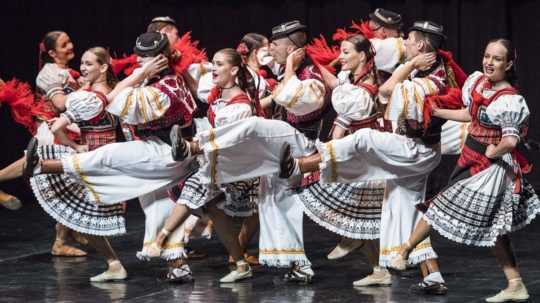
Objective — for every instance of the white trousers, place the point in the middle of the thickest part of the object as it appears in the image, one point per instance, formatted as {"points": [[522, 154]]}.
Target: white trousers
{"points": [[122, 171]]}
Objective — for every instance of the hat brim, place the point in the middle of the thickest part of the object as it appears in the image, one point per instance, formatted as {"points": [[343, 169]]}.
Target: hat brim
{"points": [[283, 34], [423, 30], [374, 17]]}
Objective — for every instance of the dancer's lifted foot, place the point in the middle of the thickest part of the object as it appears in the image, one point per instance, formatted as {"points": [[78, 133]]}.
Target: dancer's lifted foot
{"points": [[346, 246], [399, 262], [31, 158], [290, 166], [180, 147]]}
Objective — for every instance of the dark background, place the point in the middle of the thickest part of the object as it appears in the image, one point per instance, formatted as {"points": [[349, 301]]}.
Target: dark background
{"points": [[218, 24]]}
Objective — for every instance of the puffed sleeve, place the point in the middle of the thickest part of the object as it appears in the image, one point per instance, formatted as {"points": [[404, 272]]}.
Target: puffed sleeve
{"points": [[509, 112], [468, 86], [300, 97], [82, 106], [408, 99], [197, 70], [140, 105], [389, 53], [232, 113], [51, 80], [204, 87], [351, 103]]}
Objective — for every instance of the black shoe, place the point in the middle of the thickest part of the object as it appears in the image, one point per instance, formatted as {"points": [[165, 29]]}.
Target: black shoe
{"points": [[298, 276], [179, 275], [179, 146], [31, 157], [429, 288], [286, 162]]}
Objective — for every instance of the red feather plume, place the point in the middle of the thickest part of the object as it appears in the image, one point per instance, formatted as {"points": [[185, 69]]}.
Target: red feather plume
{"points": [[321, 53], [189, 53]]}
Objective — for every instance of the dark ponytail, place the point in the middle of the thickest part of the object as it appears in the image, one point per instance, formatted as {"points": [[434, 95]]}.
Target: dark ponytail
{"points": [[47, 44]]}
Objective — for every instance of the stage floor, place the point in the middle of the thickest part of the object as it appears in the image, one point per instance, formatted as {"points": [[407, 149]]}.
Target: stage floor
{"points": [[30, 274]]}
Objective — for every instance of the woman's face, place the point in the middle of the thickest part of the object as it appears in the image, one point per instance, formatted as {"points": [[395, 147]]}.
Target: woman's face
{"points": [[63, 51], [223, 73], [91, 70], [349, 58], [495, 62]]}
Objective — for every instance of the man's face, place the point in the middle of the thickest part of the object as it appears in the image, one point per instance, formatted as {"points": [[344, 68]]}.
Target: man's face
{"points": [[172, 34], [412, 45], [280, 49]]}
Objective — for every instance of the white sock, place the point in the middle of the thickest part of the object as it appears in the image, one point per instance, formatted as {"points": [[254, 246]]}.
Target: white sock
{"points": [[435, 277]]}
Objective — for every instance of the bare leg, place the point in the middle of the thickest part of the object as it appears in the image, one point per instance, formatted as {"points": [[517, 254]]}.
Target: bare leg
{"points": [[419, 234], [505, 257], [179, 214], [60, 248], [12, 171], [371, 250], [115, 270], [516, 290], [226, 232], [250, 225]]}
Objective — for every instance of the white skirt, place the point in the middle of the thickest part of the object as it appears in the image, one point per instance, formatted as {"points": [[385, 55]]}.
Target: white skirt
{"points": [[122, 171]]}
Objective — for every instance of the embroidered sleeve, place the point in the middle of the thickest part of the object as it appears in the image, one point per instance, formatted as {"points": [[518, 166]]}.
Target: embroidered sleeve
{"points": [[408, 97], [197, 70], [509, 112], [300, 97], [140, 105], [51, 80], [232, 113], [82, 106], [389, 53], [467, 89], [352, 103]]}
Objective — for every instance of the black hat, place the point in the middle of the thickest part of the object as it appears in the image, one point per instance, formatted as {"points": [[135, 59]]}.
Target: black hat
{"points": [[428, 27], [287, 28], [150, 44], [164, 19], [386, 17]]}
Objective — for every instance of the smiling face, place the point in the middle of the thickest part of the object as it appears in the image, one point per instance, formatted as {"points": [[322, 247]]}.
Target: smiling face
{"points": [[349, 58], [495, 62], [63, 51], [91, 70], [223, 72]]}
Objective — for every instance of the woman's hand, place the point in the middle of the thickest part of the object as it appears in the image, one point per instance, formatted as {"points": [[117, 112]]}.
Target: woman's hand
{"points": [[295, 58], [154, 66], [424, 61], [490, 151]]}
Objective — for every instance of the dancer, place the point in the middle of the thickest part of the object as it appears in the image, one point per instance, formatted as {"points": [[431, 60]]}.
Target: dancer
{"points": [[54, 81], [487, 197]]}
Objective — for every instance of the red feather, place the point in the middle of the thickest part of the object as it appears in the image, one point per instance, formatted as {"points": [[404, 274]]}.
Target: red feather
{"points": [[126, 64], [340, 35], [321, 53], [24, 104], [189, 53], [363, 28]]}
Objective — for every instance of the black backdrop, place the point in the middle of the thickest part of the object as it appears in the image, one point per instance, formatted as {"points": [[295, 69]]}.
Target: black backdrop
{"points": [[220, 23]]}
